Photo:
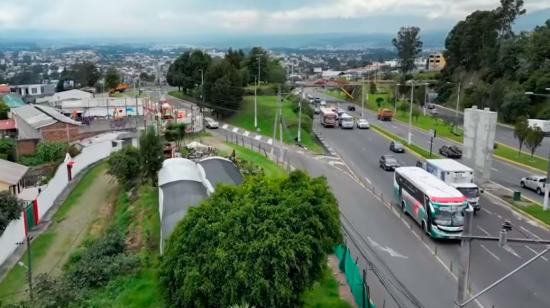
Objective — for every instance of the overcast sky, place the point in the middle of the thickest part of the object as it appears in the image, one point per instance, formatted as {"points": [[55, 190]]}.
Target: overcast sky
{"points": [[150, 18]]}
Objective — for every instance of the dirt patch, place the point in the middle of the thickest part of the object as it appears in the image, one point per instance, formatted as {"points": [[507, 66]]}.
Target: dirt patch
{"points": [[71, 231], [134, 240], [105, 214], [343, 287]]}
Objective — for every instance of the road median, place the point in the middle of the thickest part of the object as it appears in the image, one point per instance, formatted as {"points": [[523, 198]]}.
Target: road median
{"points": [[414, 149]]}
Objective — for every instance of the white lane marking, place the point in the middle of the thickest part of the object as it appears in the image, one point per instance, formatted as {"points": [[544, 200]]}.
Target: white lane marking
{"points": [[269, 141], [487, 211], [235, 129], [489, 252], [494, 169], [536, 253], [390, 251], [246, 133], [530, 233], [512, 251], [225, 126], [367, 179], [484, 231], [258, 137], [394, 127]]}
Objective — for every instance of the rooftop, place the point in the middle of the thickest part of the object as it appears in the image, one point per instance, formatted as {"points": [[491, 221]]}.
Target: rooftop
{"points": [[10, 172]]}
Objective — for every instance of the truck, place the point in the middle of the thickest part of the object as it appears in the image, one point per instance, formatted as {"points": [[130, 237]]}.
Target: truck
{"points": [[384, 114], [458, 176], [328, 117]]}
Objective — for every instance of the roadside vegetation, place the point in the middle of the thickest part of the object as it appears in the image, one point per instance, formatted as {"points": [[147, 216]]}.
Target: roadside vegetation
{"points": [[268, 107], [531, 208]]}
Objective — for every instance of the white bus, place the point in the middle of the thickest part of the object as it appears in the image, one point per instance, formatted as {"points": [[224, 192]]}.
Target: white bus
{"points": [[328, 117], [437, 207]]}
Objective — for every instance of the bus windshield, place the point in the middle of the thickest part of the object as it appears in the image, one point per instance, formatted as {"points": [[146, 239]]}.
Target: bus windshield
{"points": [[451, 216], [469, 192]]}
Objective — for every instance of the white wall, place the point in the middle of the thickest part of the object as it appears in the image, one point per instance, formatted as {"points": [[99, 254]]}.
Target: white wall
{"points": [[96, 148]]}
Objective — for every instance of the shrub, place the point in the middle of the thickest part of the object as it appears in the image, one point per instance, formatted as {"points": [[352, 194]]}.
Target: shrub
{"points": [[10, 209], [7, 149], [125, 166]]}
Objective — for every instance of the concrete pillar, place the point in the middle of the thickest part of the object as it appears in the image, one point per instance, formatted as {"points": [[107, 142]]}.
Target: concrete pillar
{"points": [[479, 139]]}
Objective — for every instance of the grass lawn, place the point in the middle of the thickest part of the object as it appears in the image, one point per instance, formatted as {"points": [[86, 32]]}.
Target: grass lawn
{"points": [[267, 108], [524, 158], [15, 281], [270, 168], [530, 208], [324, 293]]}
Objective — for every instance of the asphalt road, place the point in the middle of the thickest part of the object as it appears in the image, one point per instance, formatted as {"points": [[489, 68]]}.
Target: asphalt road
{"points": [[360, 149], [503, 173], [504, 134]]}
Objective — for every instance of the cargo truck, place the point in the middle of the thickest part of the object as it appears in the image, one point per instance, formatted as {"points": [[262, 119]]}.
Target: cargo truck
{"points": [[457, 175]]}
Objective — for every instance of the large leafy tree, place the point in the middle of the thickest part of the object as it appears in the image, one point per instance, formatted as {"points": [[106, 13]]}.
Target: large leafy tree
{"points": [[275, 73], [534, 139], [223, 87], [506, 14], [151, 155], [185, 71], [263, 243], [235, 57], [257, 57], [10, 209], [112, 78], [408, 45]]}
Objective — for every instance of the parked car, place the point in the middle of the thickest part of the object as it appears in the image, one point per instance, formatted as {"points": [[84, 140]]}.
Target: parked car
{"points": [[450, 151], [351, 107], [433, 111], [388, 163], [430, 106], [397, 147], [363, 123], [211, 123], [534, 182]]}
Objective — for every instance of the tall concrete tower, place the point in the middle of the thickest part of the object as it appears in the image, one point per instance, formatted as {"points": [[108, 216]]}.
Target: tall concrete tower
{"points": [[479, 138]]}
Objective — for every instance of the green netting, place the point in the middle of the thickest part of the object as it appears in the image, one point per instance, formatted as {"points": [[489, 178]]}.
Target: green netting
{"points": [[353, 276]]}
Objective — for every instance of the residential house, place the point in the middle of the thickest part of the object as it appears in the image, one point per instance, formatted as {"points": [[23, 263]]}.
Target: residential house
{"points": [[36, 123], [436, 62], [11, 176]]}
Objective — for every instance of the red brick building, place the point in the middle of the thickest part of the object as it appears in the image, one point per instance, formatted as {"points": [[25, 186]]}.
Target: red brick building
{"points": [[37, 123]]}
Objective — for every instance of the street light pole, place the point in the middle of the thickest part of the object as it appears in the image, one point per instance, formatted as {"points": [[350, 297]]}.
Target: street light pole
{"points": [[300, 121], [397, 85], [362, 97], [457, 104], [257, 83], [411, 112]]}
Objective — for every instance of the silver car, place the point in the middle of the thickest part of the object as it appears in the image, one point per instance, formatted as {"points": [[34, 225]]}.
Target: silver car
{"points": [[210, 123], [363, 123]]}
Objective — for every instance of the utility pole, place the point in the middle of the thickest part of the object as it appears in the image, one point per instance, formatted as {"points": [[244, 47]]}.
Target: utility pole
{"points": [[395, 98], [300, 121], [202, 102], [503, 241], [28, 239], [425, 97], [362, 97], [547, 186], [411, 112], [256, 103], [457, 104]]}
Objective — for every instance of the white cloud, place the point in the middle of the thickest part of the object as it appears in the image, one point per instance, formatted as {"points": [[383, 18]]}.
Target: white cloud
{"points": [[236, 20]]}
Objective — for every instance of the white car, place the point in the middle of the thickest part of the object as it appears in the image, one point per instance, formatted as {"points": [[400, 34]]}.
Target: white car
{"points": [[211, 123], [363, 123], [534, 182]]}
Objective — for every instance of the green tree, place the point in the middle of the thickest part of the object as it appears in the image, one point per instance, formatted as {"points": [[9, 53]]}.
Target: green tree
{"points": [[521, 129], [235, 57], [185, 71], [151, 155], [223, 87], [514, 105], [408, 45], [112, 78], [4, 109], [257, 56], [379, 101], [125, 166], [275, 73], [263, 242], [7, 149], [506, 14], [534, 139], [85, 73], [10, 209], [372, 87], [175, 132]]}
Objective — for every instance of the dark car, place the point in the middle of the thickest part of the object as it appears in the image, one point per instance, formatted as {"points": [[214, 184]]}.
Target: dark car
{"points": [[397, 147], [450, 151], [388, 163], [351, 108]]}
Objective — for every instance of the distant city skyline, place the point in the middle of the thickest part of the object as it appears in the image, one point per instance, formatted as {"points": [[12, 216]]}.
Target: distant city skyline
{"points": [[192, 19]]}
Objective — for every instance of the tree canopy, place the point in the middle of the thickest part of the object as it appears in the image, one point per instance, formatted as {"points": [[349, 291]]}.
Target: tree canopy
{"points": [[125, 166], [262, 243], [151, 155], [112, 78], [10, 209], [408, 45], [223, 87], [185, 71]]}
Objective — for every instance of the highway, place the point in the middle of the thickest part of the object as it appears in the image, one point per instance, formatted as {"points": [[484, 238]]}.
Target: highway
{"points": [[504, 134], [360, 149], [503, 173]]}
